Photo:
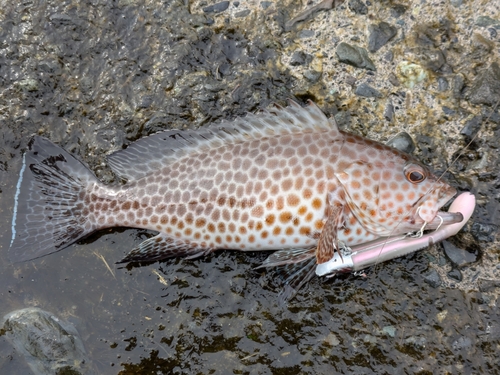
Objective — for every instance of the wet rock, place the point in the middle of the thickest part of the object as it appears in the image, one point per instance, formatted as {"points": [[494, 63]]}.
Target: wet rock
{"points": [[433, 59], [488, 285], [443, 84], [486, 88], [472, 126], [343, 118], [266, 4], [379, 35], [217, 8], [393, 79], [432, 278], [389, 111], [484, 232], [402, 142], [458, 84], [299, 58], [355, 56], [456, 3], [455, 274], [459, 257], [398, 10], [367, 91], [461, 343], [485, 21], [29, 84], [448, 111], [312, 75], [357, 6], [242, 13], [49, 345], [389, 331], [60, 19]]}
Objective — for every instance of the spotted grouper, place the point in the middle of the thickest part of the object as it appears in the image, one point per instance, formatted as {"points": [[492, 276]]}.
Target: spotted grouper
{"points": [[283, 179]]}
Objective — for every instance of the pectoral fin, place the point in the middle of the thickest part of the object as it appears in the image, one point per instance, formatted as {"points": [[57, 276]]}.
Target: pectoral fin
{"points": [[327, 243]]}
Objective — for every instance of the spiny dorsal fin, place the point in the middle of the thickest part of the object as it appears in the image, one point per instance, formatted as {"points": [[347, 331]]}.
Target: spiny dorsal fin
{"points": [[158, 150]]}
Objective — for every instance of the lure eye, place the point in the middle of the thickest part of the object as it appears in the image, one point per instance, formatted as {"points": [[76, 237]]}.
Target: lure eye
{"points": [[415, 174]]}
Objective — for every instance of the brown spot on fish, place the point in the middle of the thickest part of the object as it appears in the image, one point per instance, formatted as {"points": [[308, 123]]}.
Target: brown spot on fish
{"points": [[269, 204], [210, 228], [270, 219], [292, 200], [305, 231], [200, 222], [164, 219], [264, 234], [221, 227], [243, 230], [257, 211], [285, 217], [154, 219], [316, 203], [280, 203], [258, 226], [319, 224], [307, 193], [276, 230], [251, 238], [302, 210]]}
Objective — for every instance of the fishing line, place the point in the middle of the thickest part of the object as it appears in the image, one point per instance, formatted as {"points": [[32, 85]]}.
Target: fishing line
{"points": [[440, 178]]}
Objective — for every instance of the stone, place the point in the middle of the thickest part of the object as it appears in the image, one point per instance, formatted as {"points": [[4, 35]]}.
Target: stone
{"points": [[367, 91], [379, 35], [486, 87], [355, 56], [402, 142]]}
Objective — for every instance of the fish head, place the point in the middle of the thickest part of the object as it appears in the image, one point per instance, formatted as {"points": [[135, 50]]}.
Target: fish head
{"points": [[392, 193]]}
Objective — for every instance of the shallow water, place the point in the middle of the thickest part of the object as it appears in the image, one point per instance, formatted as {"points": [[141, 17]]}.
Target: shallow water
{"points": [[93, 77]]}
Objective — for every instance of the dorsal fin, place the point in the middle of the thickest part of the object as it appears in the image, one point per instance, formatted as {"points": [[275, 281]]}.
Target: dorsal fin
{"points": [[151, 153]]}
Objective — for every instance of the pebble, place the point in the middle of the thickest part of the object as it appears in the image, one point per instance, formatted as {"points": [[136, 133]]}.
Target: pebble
{"points": [[398, 10], [457, 256], [484, 232], [266, 4], [443, 84], [389, 331], [355, 56], [379, 35], [485, 21], [458, 84], [298, 58], [312, 75], [367, 91], [455, 274], [242, 13], [486, 87], [432, 278], [358, 7], [488, 285], [402, 142], [217, 8], [389, 111], [472, 126]]}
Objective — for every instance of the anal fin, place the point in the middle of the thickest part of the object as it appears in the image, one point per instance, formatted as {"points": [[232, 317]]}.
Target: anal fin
{"points": [[163, 247]]}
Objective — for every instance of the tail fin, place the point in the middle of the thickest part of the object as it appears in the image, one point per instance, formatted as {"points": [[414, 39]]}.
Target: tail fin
{"points": [[49, 202]]}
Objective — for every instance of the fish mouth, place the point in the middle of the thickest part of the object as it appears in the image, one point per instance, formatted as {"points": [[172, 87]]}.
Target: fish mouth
{"points": [[444, 218]]}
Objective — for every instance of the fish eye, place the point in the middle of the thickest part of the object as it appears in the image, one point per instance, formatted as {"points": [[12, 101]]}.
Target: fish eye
{"points": [[415, 173]]}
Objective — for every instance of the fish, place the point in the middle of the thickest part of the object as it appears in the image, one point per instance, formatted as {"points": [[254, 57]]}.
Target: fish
{"points": [[285, 179]]}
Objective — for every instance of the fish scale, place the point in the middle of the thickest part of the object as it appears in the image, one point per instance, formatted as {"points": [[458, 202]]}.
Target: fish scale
{"points": [[282, 179]]}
